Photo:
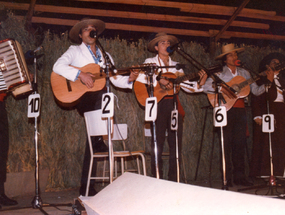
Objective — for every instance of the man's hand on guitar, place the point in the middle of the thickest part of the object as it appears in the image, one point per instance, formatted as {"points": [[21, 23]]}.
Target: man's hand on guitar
{"points": [[134, 74], [270, 74], [166, 84], [86, 78], [203, 77], [258, 121]]}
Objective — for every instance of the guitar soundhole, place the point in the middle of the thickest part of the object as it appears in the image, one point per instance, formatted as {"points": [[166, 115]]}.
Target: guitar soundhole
{"points": [[236, 88]]}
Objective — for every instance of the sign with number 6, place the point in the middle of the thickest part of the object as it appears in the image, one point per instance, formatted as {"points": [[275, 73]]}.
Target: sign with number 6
{"points": [[220, 116]]}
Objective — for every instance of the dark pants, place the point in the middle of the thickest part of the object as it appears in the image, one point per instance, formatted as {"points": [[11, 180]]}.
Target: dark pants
{"points": [[4, 145], [163, 123], [260, 159], [235, 143]]}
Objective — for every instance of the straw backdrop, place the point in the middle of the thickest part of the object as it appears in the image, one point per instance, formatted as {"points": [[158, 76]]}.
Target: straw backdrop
{"points": [[62, 132]]}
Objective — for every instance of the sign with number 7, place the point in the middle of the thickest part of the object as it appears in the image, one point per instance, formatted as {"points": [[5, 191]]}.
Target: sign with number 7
{"points": [[150, 109]]}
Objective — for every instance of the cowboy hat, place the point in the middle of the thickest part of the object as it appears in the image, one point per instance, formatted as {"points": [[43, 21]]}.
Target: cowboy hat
{"points": [[268, 58], [75, 30], [227, 49], [159, 37]]}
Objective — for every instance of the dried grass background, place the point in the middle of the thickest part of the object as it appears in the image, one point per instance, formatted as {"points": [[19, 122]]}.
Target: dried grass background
{"points": [[62, 133]]}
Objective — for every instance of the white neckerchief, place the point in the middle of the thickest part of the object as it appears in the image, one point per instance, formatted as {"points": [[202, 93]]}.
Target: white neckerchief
{"points": [[279, 97]]}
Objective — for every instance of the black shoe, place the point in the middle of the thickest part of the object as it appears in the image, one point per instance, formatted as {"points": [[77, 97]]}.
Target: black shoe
{"points": [[92, 191], [4, 200], [243, 182], [229, 184]]}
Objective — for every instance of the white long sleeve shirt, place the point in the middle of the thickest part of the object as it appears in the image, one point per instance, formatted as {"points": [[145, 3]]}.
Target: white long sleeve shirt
{"points": [[187, 86], [79, 56]]}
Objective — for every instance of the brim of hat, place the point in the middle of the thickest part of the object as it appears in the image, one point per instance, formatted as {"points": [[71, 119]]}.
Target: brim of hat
{"points": [[268, 58], [172, 39], [222, 55], [74, 32]]}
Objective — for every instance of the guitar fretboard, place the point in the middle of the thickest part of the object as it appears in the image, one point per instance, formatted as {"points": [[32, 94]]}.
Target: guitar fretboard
{"points": [[186, 77]]}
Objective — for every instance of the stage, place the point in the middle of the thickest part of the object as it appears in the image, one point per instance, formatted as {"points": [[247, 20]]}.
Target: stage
{"points": [[65, 199]]}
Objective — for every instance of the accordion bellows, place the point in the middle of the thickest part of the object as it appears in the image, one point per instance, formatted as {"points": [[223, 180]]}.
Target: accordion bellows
{"points": [[14, 75]]}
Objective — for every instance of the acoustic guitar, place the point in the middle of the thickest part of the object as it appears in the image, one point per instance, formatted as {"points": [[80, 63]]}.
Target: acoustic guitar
{"points": [[69, 92], [241, 87], [142, 91]]}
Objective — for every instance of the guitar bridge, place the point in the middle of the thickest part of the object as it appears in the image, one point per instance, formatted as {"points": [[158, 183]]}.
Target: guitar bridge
{"points": [[68, 85]]}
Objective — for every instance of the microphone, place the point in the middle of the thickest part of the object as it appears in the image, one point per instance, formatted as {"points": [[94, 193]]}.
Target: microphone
{"points": [[38, 49], [31, 53], [239, 63], [93, 34], [180, 66], [172, 48]]}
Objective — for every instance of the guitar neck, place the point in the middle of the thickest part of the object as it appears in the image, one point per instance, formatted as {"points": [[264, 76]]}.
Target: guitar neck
{"points": [[248, 82], [186, 77]]}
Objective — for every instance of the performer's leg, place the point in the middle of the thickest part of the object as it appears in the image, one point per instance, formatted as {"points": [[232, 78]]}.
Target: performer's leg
{"points": [[4, 142], [239, 144], [278, 139], [161, 126], [227, 135], [4, 147], [172, 172]]}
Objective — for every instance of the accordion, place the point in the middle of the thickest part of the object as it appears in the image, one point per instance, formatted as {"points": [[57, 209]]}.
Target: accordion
{"points": [[14, 75]]}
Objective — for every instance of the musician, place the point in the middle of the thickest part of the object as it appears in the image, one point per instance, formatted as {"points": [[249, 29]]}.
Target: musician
{"points": [[260, 159], [235, 131], [84, 53], [4, 147], [159, 46]]}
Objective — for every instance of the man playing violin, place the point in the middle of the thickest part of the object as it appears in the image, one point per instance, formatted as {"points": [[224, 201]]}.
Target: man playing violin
{"points": [[236, 128], [159, 45], [78, 56], [274, 98]]}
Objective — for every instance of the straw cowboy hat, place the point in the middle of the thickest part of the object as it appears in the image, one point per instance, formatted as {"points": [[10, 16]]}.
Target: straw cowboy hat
{"points": [[74, 32], [159, 37], [227, 49]]}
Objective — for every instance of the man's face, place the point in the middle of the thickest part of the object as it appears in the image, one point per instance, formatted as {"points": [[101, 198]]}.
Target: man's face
{"points": [[274, 63], [231, 58], [162, 46], [85, 35]]}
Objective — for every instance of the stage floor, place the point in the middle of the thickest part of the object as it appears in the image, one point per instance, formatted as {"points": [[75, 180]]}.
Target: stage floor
{"points": [[61, 202]]}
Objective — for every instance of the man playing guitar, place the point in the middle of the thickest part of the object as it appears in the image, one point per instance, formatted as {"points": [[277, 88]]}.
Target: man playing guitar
{"points": [[235, 131], [159, 45], [78, 56]]}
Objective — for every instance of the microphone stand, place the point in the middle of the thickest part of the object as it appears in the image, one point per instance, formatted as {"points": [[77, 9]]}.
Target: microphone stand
{"points": [[149, 72], [108, 64], [37, 201], [272, 180], [176, 133]]}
